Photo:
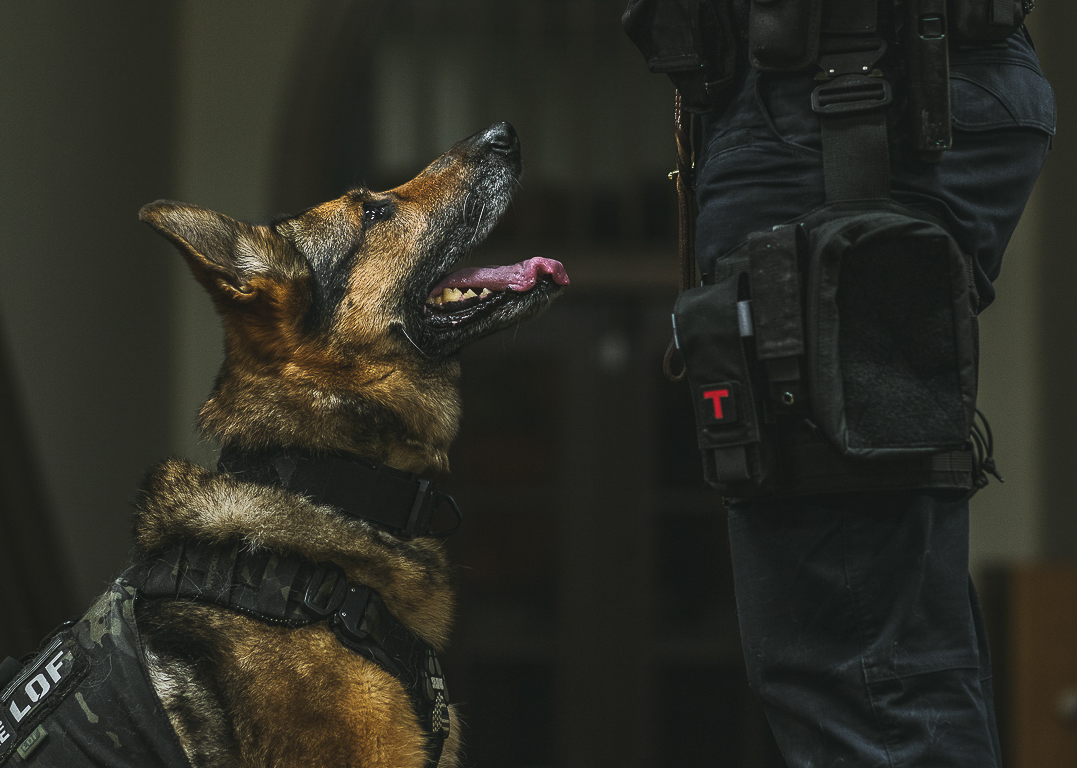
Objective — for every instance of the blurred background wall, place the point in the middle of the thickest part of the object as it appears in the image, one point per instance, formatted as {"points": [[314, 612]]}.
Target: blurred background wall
{"points": [[108, 347]]}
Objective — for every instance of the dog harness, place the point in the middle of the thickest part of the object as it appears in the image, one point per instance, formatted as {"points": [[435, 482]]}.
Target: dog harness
{"points": [[86, 699]]}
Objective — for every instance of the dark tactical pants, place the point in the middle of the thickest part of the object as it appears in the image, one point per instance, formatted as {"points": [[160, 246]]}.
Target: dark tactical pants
{"points": [[861, 630]]}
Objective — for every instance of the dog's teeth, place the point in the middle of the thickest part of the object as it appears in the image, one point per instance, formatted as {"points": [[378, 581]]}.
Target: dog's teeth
{"points": [[449, 295]]}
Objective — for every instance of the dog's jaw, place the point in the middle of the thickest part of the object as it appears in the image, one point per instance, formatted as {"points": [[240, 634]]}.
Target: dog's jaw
{"points": [[450, 309]]}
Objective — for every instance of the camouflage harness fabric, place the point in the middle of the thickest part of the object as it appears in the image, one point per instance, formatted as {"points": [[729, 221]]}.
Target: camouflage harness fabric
{"points": [[86, 699]]}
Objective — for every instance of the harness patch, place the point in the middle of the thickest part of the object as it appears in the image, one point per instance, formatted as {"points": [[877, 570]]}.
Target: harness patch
{"points": [[33, 741], [37, 690]]}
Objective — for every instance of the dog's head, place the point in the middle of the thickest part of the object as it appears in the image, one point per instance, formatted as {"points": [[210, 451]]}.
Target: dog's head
{"points": [[342, 322]]}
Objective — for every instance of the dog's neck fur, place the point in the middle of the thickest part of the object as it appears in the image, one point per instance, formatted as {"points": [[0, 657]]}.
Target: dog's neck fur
{"points": [[181, 502], [259, 411]]}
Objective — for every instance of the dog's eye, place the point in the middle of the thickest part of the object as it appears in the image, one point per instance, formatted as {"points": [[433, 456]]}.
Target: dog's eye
{"points": [[377, 210]]}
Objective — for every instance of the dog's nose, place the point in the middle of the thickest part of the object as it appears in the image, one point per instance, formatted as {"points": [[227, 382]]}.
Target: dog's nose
{"points": [[501, 137]]}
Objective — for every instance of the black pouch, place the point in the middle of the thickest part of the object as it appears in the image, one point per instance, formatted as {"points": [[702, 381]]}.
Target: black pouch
{"points": [[891, 332], [783, 35], [709, 329], [985, 21], [690, 41], [841, 349]]}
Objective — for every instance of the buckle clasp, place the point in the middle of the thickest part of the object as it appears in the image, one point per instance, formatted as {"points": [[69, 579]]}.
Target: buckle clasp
{"points": [[850, 95], [324, 597]]}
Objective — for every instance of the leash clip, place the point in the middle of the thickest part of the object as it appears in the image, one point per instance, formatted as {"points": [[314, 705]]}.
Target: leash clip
{"points": [[455, 509]]}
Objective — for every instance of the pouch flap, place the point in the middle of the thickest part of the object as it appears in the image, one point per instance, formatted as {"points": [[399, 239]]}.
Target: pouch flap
{"points": [[891, 360]]}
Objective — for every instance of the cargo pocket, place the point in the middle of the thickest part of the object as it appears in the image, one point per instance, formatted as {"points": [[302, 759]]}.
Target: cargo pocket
{"points": [[999, 95]]}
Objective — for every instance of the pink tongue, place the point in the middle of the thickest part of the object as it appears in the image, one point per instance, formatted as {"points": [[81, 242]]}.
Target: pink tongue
{"points": [[517, 277]]}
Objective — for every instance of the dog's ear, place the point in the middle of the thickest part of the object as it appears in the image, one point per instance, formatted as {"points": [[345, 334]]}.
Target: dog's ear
{"points": [[225, 255]]}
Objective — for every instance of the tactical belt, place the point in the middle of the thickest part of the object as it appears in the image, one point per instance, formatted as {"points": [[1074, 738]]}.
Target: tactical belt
{"points": [[781, 311]]}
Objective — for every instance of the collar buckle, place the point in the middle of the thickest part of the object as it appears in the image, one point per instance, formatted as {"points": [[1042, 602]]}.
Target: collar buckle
{"points": [[427, 501]]}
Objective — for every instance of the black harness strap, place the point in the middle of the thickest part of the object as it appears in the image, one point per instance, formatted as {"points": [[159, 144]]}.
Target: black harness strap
{"points": [[852, 102], [295, 592], [401, 502]]}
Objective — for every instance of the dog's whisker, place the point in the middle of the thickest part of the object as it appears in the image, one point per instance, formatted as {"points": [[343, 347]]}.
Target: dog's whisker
{"points": [[404, 331], [478, 224]]}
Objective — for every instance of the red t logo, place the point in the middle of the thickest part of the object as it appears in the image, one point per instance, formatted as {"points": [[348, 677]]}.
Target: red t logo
{"points": [[715, 396]]}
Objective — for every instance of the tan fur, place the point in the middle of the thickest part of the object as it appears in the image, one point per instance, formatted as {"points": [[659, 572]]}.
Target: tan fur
{"points": [[321, 312]]}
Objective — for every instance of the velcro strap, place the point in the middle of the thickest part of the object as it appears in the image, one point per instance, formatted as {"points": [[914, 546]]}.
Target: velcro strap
{"points": [[775, 281], [856, 157], [856, 153], [731, 465]]}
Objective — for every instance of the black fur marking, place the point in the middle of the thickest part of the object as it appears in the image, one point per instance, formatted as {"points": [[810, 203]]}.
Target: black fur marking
{"points": [[328, 288]]}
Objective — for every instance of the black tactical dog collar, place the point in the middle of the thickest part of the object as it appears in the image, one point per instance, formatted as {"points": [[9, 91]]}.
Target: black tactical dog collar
{"points": [[401, 502]]}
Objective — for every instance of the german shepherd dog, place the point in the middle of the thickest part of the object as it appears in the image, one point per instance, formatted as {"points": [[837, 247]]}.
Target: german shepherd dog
{"points": [[342, 327]]}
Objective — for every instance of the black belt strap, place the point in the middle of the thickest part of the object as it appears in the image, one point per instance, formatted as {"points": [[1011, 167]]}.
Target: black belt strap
{"points": [[295, 592], [402, 502], [852, 104]]}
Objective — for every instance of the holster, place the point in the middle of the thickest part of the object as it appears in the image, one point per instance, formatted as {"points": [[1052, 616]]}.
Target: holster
{"points": [[985, 21], [783, 35], [690, 41]]}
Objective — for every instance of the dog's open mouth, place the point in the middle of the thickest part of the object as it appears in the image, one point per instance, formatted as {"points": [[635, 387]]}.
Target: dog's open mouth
{"points": [[474, 292]]}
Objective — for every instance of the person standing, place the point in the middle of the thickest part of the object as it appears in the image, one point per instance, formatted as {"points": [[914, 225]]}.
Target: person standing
{"points": [[848, 154]]}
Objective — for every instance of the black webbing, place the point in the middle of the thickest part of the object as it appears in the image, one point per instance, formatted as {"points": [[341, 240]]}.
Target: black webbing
{"points": [[266, 586], [293, 591], [777, 312], [400, 501], [856, 156]]}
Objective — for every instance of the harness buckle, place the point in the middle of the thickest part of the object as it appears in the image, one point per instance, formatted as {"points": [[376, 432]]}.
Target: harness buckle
{"points": [[850, 95], [349, 618], [323, 598]]}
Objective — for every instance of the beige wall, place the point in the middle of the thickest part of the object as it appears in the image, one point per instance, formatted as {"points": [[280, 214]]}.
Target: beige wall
{"points": [[1008, 518]]}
